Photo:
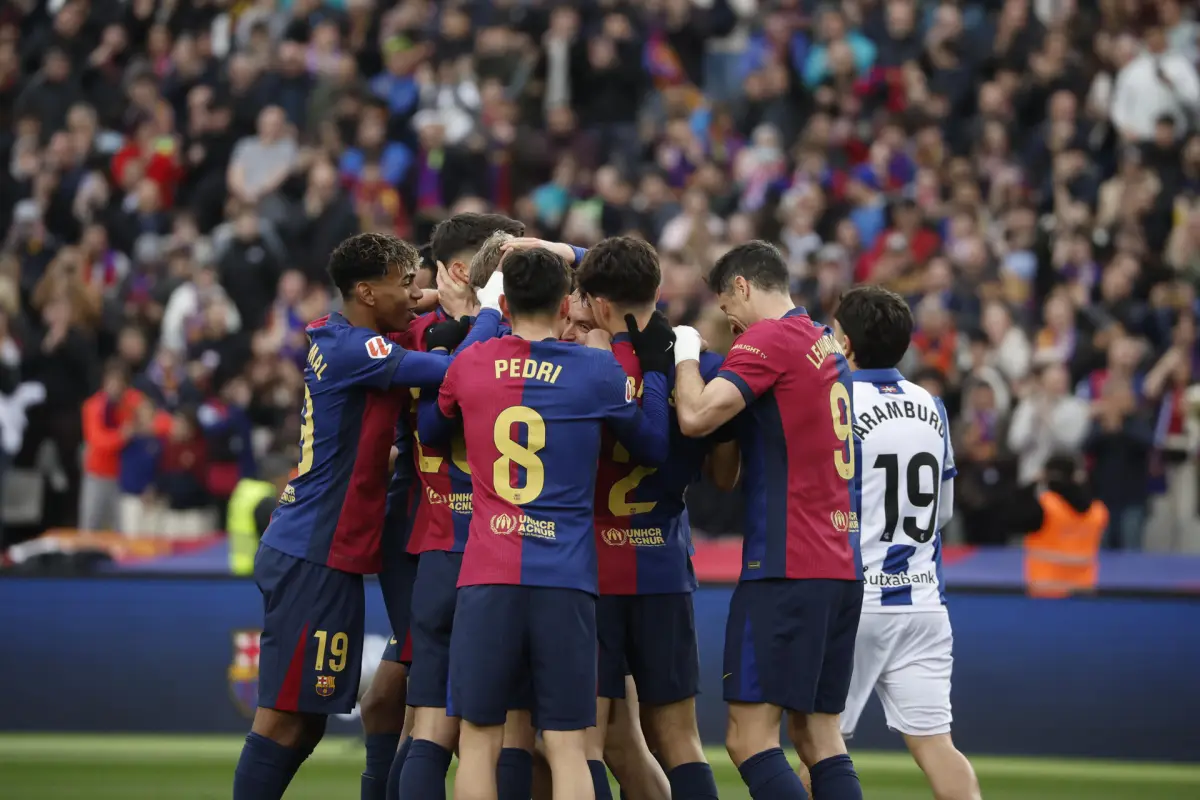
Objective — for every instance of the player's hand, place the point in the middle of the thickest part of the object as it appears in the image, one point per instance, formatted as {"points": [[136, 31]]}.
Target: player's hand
{"points": [[688, 344], [446, 335], [456, 297], [654, 343], [428, 302], [599, 339], [489, 296], [529, 243]]}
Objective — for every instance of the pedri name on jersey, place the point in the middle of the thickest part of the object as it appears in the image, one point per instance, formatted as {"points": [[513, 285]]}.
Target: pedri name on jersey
{"points": [[866, 419]]}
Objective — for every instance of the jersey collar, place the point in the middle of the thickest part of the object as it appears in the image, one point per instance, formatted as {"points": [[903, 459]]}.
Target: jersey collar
{"points": [[877, 376], [623, 336], [798, 311]]}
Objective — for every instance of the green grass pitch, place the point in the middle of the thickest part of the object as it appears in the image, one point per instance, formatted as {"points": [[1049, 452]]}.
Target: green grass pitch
{"points": [[120, 767]]}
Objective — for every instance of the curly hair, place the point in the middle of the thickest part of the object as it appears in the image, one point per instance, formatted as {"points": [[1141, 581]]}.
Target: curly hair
{"points": [[367, 257]]}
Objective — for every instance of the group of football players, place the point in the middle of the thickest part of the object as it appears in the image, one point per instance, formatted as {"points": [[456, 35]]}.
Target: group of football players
{"points": [[513, 462]]}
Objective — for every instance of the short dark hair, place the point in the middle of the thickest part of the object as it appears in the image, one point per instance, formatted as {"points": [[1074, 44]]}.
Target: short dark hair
{"points": [[464, 233], [367, 257], [427, 262], [879, 324], [535, 281], [759, 262], [621, 269]]}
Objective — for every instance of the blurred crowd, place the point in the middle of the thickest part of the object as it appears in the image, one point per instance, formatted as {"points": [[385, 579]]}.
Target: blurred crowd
{"points": [[1026, 171]]}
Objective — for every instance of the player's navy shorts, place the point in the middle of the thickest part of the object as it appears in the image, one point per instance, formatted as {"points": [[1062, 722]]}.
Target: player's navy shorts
{"points": [[653, 638], [433, 599], [790, 643], [312, 639], [510, 641], [396, 583], [399, 650]]}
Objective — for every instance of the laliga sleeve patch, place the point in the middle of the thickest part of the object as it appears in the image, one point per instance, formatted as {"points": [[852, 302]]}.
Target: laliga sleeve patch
{"points": [[378, 347]]}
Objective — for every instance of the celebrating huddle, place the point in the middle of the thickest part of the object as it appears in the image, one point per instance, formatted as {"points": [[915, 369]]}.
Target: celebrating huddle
{"points": [[543, 424]]}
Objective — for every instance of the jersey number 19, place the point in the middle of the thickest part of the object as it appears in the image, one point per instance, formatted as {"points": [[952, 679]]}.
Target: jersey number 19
{"points": [[915, 497]]}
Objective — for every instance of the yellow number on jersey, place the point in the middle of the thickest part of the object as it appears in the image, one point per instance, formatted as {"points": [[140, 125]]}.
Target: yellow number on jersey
{"points": [[525, 456], [429, 463], [839, 407], [339, 646], [306, 435], [618, 503]]}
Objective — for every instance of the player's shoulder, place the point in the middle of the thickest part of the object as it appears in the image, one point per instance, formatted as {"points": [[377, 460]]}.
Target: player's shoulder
{"points": [[710, 364], [344, 347]]}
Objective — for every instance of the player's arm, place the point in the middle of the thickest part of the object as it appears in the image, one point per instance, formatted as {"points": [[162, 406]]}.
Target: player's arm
{"points": [[949, 471], [437, 412], [642, 431], [750, 369], [426, 370]]}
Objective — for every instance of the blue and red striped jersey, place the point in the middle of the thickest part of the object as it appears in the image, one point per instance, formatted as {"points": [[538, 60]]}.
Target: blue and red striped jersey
{"points": [[401, 497], [533, 414], [799, 455], [643, 538], [333, 511]]}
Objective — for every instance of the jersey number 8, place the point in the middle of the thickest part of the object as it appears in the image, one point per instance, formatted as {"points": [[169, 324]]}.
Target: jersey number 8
{"points": [[512, 452]]}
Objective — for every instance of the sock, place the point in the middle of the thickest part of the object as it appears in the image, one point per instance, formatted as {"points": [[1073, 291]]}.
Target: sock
{"points": [[693, 782], [265, 769], [600, 780], [393, 780], [381, 749], [424, 773], [769, 776], [514, 774], [835, 779]]}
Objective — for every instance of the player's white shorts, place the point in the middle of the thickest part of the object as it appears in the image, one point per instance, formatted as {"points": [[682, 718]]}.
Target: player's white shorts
{"points": [[906, 658]]}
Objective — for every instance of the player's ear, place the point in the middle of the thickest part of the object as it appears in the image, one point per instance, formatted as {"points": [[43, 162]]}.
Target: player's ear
{"points": [[564, 308], [460, 271], [741, 287], [504, 308], [365, 293]]}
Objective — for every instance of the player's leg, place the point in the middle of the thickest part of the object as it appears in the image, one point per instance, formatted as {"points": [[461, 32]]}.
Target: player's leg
{"points": [[435, 733], [666, 667], [762, 674], [829, 630], [563, 656], [309, 666], [915, 691], [611, 632], [627, 753], [487, 661], [543, 782], [406, 739], [514, 771], [383, 712]]}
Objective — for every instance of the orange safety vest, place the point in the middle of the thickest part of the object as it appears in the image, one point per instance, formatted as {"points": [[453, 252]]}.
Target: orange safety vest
{"points": [[1062, 558]]}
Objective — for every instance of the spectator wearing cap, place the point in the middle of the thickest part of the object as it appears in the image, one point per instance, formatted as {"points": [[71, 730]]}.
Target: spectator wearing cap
{"points": [[396, 85], [1156, 82]]}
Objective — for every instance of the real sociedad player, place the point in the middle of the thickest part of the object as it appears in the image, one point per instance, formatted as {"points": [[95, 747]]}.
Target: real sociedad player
{"points": [[904, 648], [327, 532], [644, 615], [789, 641], [533, 411]]}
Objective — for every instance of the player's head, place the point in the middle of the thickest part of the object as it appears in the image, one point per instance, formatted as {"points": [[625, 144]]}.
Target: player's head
{"points": [[874, 326], [619, 276], [487, 258], [750, 281], [376, 274], [536, 288], [455, 240], [579, 320], [427, 271]]}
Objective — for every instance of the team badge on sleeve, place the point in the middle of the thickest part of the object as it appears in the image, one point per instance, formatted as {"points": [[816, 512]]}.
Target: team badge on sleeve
{"points": [[378, 347], [629, 390]]}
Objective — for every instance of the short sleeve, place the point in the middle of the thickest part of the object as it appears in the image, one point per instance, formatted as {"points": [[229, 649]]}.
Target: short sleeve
{"points": [[948, 468], [447, 397], [754, 362], [366, 359], [710, 365]]}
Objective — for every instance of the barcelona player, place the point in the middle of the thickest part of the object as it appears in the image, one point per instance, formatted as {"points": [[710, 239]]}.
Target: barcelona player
{"points": [[644, 615], [789, 641], [533, 409], [327, 531]]}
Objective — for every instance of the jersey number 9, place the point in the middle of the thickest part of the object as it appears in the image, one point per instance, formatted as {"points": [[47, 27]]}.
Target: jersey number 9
{"points": [[523, 455], [843, 429]]}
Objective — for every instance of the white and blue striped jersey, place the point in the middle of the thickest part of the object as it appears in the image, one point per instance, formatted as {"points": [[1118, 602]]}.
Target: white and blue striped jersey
{"points": [[907, 466]]}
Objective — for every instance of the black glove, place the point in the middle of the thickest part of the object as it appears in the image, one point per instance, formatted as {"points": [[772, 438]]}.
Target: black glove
{"points": [[654, 344], [447, 334]]}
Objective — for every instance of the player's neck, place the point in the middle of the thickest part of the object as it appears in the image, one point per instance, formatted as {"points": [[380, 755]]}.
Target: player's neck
{"points": [[359, 317], [774, 306], [533, 329], [618, 322]]}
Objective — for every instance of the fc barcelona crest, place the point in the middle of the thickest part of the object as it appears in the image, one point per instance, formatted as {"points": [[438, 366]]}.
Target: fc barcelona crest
{"points": [[325, 685], [243, 671]]}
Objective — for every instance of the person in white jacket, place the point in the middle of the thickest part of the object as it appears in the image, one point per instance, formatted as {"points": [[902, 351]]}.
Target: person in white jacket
{"points": [[1156, 83], [1050, 421]]}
